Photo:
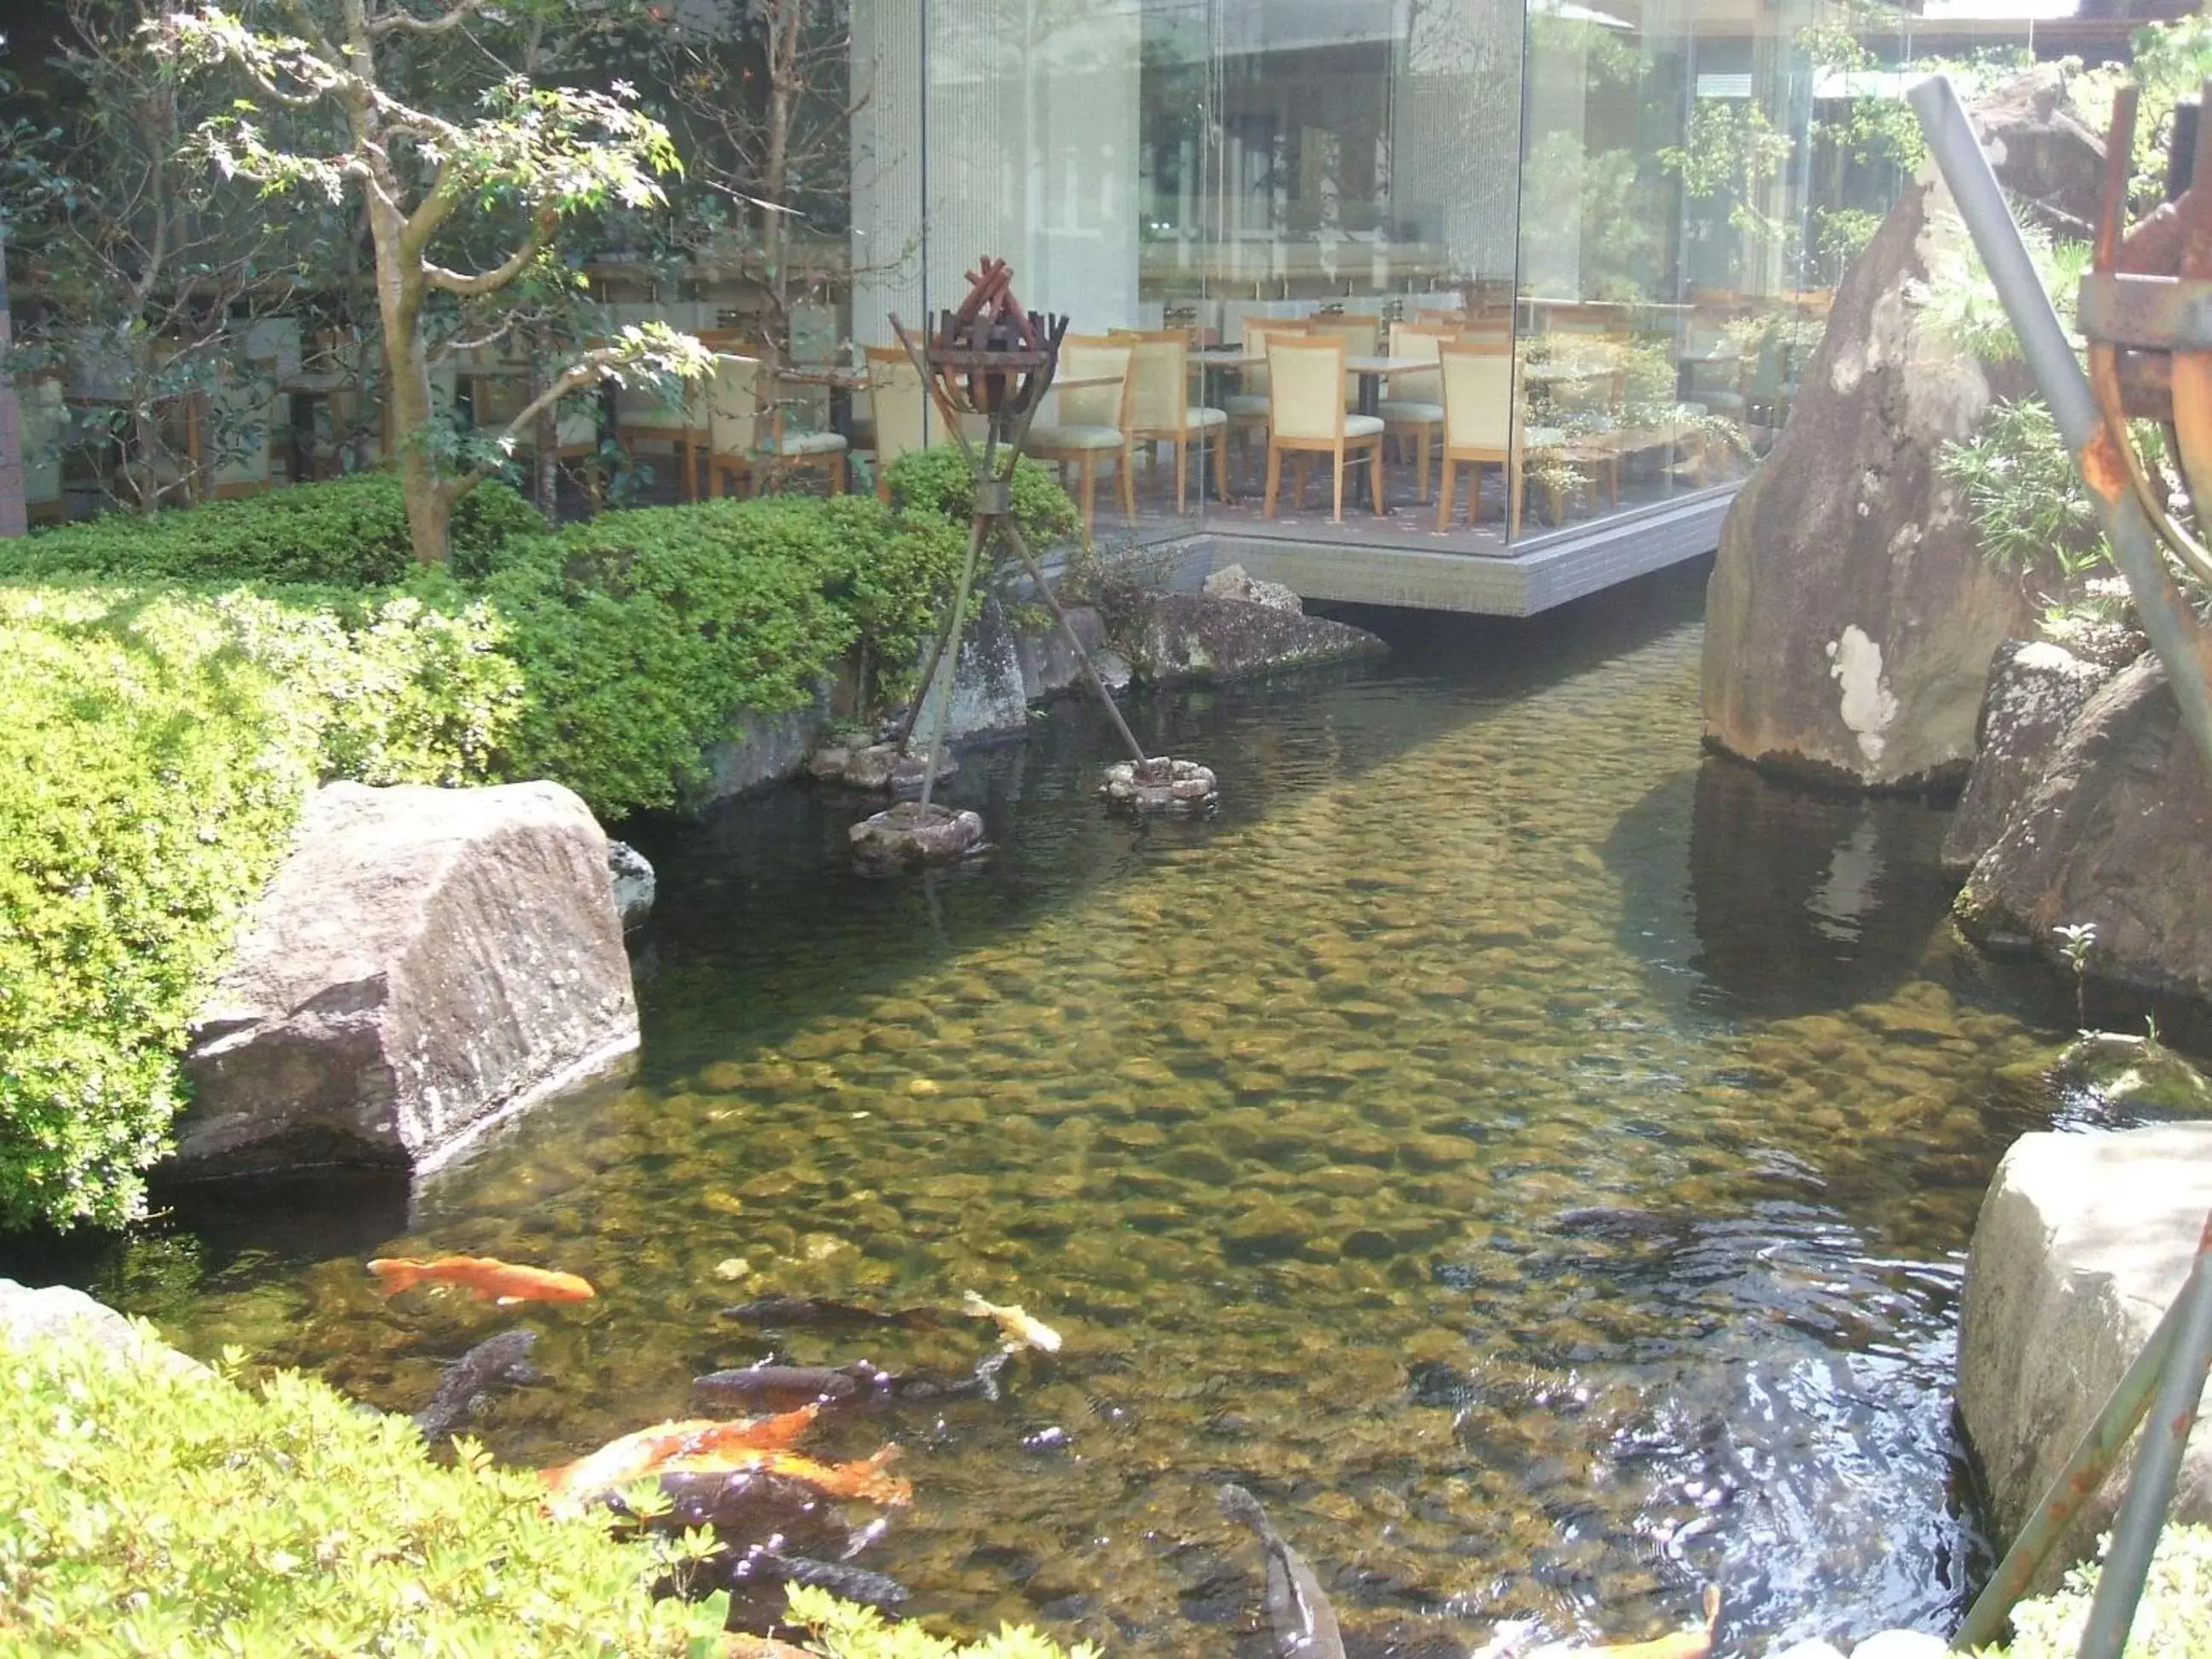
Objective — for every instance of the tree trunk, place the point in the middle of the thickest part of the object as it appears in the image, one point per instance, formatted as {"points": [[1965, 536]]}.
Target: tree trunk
{"points": [[407, 374]]}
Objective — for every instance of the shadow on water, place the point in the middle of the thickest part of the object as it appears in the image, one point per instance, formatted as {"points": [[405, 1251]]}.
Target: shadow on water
{"points": [[748, 865]]}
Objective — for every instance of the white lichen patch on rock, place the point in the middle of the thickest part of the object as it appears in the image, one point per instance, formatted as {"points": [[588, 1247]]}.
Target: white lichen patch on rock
{"points": [[1868, 707]]}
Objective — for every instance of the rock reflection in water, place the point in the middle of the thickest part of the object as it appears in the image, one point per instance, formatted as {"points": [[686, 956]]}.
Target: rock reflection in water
{"points": [[1275, 1118]]}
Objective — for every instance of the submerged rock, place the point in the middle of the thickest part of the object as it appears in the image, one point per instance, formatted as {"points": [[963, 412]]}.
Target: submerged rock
{"points": [[2133, 1074], [2082, 1241], [2036, 690], [427, 961], [2114, 836]]}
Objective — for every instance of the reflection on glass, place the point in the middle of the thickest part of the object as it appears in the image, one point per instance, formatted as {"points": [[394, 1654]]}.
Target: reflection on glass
{"points": [[1648, 201]]}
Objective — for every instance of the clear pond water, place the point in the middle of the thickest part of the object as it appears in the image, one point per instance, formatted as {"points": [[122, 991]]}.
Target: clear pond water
{"points": [[1533, 1156]]}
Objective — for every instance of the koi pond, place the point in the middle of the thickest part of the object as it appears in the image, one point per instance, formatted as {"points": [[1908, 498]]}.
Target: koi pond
{"points": [[1535, 1158]]}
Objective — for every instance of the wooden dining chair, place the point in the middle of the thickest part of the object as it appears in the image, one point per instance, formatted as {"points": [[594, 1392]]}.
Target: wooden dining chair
{"points": [[744, 440], [1478, 381], [1160, 409], [1306, 417], [901, 404], [1363, 337], [1247, 407], [1094, 423], [1415, 407]]}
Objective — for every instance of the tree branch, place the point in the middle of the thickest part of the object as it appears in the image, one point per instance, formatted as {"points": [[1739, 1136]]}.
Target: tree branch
{"points": [[490, 281], [591, 366], [411, 24]]}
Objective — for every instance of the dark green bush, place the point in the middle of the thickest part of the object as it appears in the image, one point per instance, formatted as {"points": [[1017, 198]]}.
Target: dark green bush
{"points": [[351, 532], [940, 482], [155, 746], [175, 1514], [639, 633]]}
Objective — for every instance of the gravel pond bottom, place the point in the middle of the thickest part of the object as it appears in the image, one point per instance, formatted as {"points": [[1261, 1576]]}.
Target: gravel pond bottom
{"points": [[1535, 1157]]}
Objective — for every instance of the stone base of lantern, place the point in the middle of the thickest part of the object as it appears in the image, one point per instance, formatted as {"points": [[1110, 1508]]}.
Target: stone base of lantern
{"points": [[909, 835], [879, 767], [1160, 785]]}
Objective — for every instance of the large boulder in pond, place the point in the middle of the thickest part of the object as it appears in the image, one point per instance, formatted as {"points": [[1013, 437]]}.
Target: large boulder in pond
{"points": [[427, 961], [1181, 637], [1850, 618], [2116, 836], [2035, 691], [2082, 1241]]}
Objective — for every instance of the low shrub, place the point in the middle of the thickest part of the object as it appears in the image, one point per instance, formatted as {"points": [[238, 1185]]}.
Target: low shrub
{"points": [[351, 532], [841, 1630], [155, 746], [153, 1512], [941, 481], [2172, 1621], [639, 633]]}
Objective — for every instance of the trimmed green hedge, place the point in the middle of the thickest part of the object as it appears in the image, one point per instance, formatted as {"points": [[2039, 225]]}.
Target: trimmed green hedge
{"points": [[350, 532], [639, 633]]}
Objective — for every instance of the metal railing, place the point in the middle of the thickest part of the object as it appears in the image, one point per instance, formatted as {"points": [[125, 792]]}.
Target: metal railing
{"points": [[2166, 1380]]}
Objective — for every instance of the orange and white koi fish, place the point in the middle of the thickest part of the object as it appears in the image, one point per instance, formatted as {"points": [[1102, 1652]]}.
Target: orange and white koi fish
{"points": [[1015, 1320], [649, 1451], [487, 1277]]}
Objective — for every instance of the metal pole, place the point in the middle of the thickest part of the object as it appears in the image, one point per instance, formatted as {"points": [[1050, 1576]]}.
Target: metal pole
{"points": [[2098, 1448], [2166, 619], [978, 528], [2158, 1466], [1090, 669]]}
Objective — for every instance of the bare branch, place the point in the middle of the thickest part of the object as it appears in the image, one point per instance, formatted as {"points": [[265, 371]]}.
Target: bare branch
{"points": [[407, 23]]}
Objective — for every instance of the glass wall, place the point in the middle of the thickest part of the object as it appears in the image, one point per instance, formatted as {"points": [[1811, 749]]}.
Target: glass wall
{"points": [[1646, 204]]}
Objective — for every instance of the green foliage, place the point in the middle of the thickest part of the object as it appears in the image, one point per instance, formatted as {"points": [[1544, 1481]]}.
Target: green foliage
{"points": [[157, 739], [2172, 1621], [156, 745], [940, 482], [172, 1513], [841, 1631], [1960, 303], [350, 532], [2029, 507], [639, 633], [2170, 61]]}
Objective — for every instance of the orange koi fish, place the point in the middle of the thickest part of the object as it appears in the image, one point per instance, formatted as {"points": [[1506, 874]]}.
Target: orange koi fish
{"points": [[866, 1478], [649, 1451], [491, 1280]]}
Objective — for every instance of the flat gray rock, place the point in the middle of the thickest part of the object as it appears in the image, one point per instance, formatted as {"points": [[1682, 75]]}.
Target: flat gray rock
{"points": [[2082, 1243], [1210, 636], [55, 1312], [426, 962]]}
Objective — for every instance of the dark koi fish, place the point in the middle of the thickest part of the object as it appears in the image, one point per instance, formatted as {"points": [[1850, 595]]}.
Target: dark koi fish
{"points": [[1305, 1624], [503, 1358]]}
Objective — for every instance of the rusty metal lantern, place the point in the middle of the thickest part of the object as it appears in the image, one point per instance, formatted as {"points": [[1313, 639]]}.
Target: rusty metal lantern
{"points": [[991, 357]]}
